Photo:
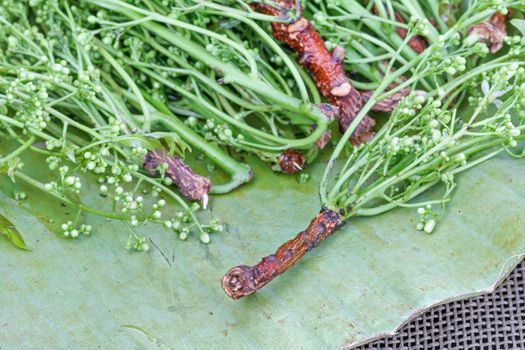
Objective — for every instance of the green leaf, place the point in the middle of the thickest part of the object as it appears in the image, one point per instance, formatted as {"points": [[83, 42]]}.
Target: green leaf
{"points": [[519, 24], [173, 141], [366, 280], [8, 230], [158, 140], [69, 151], [11, 167]]}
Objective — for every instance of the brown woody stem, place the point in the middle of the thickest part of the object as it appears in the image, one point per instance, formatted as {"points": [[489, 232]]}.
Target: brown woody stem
{"points": [[191, 185], [388, 104], [244, 280], [291, 161], [491, 31], [325, 67]]}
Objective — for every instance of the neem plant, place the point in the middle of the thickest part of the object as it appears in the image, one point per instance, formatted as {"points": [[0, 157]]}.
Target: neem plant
{"points": [[58, 87], [211, 64], [372, 32], [328, 68], [427, 142]]}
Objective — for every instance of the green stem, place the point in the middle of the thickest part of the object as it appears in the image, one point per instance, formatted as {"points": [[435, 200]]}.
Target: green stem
{"points": [[239, 173], [18, 151], [147, 118], [82, 207], [230, 73]]}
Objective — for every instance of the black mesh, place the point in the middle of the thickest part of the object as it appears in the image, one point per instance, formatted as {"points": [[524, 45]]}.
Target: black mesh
{"points": [[493, 321]]}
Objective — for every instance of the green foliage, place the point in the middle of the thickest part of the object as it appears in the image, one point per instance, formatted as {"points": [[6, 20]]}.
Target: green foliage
{"points": [[464, 107], [9, 231], [10, 167]]}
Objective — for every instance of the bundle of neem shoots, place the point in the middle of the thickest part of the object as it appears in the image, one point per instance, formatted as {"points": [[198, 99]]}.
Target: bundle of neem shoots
{"points": [[132, 92], [459, 110], [83, 80]]}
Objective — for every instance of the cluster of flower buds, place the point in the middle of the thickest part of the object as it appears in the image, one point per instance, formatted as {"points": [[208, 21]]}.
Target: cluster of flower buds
{"points": [[69, 230], [139, 244], [427, 219]]}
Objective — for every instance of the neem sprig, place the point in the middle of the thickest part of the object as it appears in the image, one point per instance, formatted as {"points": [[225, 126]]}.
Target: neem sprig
{"points": [[425, 143]]}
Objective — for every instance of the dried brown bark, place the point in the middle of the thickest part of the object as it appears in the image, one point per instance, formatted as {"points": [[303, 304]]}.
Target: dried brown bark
{"points": [[244, 280], [326, 68], [323, 140], [291, 161], [191, 185], [491, 31], [389, 103], [331, 112]]}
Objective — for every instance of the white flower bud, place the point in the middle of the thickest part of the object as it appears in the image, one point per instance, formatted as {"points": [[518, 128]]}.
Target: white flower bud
{"points": [[436, 135], [70, 180], [514, 132], [433, 123], [395, 141], [429, 226], [460, 157]]}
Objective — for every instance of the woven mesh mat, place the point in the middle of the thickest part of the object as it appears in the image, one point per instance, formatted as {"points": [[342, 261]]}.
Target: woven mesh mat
{"points": [[493, 321]]}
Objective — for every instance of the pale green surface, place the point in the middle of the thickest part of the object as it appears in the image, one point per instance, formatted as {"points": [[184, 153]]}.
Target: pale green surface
{"points": [[365, 280]]}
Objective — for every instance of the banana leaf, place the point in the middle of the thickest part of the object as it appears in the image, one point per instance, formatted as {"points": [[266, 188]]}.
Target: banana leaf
{"points": [[365, 281]]}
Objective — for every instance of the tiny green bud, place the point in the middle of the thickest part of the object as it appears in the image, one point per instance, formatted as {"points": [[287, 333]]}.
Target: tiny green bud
{"points": [[205, 237], [195, 206]]}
